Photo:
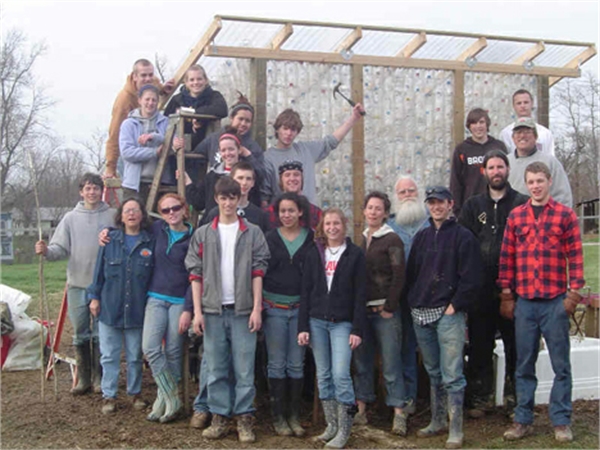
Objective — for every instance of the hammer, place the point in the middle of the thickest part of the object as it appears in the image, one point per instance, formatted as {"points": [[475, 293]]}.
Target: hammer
{"points": [[336, 90]]}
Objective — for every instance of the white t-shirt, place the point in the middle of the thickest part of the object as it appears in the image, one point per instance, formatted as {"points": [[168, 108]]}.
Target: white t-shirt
{"points": [[227, 236], [544, 143], [332, 257]]}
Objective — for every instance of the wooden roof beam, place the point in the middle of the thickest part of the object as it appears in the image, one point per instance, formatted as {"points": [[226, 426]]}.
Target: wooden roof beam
{"points": [[307, 23], [369, 60], [413, 45], [196, 52], [530, 53], [282, 36], [350, 40], [473, 50], [579, 60]]}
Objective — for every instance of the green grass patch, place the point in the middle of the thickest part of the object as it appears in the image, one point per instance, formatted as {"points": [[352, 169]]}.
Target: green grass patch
{"points": [[591, 265]]}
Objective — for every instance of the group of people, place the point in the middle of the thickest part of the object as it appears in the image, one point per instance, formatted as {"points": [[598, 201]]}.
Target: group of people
{"points": [[489, 253]]}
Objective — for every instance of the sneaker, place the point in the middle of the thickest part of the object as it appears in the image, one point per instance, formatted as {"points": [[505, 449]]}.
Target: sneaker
{"points": [[475, 413], [361, 418], [563, 433], [245, 428], [410, 407], [109, 406], [200, 420], [219, 427], [137, 403], [399, 424], [517, 431]]}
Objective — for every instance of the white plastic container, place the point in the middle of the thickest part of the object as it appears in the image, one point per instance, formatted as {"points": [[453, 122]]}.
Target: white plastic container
{"points": [[585, 357]]}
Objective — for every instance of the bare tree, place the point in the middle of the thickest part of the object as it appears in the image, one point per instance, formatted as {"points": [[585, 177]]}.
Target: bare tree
{"points": [[576, 105], [161, 64], [93, 148], [22, 105]]}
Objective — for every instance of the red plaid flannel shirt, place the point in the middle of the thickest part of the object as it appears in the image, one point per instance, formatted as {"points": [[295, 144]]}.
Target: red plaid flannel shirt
{"points": [[533, 259]]}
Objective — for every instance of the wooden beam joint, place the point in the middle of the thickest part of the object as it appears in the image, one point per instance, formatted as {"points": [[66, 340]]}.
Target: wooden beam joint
{"points": [[349, 41], [413, 45], [282, 36], [473, 50], [530, 54]]}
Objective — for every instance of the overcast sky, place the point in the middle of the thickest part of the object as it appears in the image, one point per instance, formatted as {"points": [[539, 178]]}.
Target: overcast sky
{"points": [[92, 45]]}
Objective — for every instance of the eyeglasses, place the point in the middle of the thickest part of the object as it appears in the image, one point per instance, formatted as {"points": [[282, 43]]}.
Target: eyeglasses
{"points": [[132, 211], [175, 208], [406, 191]]}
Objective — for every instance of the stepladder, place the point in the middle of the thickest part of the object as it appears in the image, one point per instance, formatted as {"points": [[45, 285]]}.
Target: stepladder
{"points": [[176, 127]]}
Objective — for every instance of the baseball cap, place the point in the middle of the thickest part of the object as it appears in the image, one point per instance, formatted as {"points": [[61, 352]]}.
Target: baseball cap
{"points": [[438, 192], [524, 122]]}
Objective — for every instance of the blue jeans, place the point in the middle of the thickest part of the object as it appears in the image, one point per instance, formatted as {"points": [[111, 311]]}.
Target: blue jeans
{"points": [[85, 326], [286, 357], [331, 349], [387, 335], [442, 344], [227, 339], [549, 319], [409, 356], [161, 321], [111, 343]]}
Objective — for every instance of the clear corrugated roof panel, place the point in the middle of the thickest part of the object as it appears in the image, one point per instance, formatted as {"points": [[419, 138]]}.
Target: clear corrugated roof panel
{"points": [[503, 52], [444, 47], [558, 55], [381, 43], [246, 34], [315, 39]]}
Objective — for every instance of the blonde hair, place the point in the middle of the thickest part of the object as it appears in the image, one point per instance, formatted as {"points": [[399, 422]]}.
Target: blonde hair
{"points": [[195, 68]]}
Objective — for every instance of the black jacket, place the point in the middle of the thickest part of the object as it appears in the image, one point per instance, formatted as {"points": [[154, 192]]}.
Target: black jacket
{"points": [[444, 266], [346, 300], [209, 102], [487, 219], [284, 274]]}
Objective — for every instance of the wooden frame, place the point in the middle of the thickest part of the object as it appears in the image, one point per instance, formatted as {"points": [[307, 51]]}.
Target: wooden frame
{"points": [[405, 57]]}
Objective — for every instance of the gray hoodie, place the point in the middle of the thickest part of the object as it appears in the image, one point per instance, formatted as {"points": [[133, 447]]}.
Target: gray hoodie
{"points": [[76, 238]]}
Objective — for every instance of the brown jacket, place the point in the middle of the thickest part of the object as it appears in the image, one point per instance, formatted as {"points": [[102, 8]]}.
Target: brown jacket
{"points": [[385, 267], [125, 102]]}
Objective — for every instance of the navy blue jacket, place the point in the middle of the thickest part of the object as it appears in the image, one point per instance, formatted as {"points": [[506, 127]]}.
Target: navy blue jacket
{"points": [[121, 280], [170, 275], [345, 302], [444, 266]]}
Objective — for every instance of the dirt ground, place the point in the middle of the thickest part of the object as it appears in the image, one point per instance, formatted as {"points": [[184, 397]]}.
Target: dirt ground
{"points": [[76, 422]]}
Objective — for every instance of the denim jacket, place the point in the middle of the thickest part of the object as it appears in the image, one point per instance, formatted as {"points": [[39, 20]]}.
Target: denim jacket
{"points": [[121, 280]]}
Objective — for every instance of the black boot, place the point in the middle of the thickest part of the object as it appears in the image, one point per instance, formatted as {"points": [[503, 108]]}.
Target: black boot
{"points": [[96, 368], [84, 360], [295, 400], [277, 397]]}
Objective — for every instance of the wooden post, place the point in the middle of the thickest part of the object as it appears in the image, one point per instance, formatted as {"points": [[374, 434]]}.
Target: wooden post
{"points": [[180, 157], [543, 101], [458, 128], [258, 98], [358, 154]]}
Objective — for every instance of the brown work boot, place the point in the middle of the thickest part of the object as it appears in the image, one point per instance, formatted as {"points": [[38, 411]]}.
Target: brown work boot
{"points": [[563, 433], [109, 406], [517, 431], [137, 403], [245, 428], [200, 420], [219, 427]]}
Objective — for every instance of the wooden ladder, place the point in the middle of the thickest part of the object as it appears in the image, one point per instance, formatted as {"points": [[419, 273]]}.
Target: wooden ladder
{"points": [[176, 128]]}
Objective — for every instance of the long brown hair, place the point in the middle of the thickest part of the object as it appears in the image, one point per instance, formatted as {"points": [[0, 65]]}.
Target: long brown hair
{"points": [[320, 233]]}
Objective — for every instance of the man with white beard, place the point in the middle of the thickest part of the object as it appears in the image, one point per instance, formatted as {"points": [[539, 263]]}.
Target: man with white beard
{"points": [[410, 216]]}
